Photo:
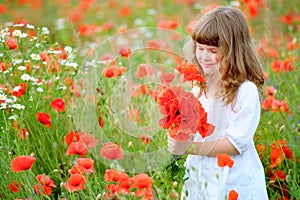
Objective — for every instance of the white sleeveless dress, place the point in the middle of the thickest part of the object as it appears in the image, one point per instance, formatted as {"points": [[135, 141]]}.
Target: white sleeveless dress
{"points": [[204, 179]]}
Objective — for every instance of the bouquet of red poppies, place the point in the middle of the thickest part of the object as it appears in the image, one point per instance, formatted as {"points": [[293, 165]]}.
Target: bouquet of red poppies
{"points": [[183, 112]]}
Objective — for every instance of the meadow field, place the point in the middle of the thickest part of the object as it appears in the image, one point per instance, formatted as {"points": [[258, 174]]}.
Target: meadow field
{"points": [[80, 82]]}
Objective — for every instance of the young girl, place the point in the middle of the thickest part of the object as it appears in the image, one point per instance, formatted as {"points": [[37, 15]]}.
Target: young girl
{"points": [[221, 47]]}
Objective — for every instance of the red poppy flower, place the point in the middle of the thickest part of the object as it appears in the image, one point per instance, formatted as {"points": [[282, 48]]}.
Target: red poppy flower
{"points": [[168, 24], [124, 51], [58, 104], [125, 11], [271, 53], [268, 102], [166, 78], [177, 135], [107, 26], [279, 105], [183, 114], [142, 89], [287, 152], [153, 44], [144, 70], [75, 182], [233, 195], [292, 45], [169, 104], [134, 114], [287, 65], [112, 151], [45, 185], [190, 112], [145, 138], [124, 183], [110, 72], [11, 44], [281, 175], [111, 190], [87, 164], [86, 29], [109, 58], [19, 90], [76, 169], [44, 118], [121, 70], [2, 67], [3, 8], [22, 134], [21, 163], [46, 57], [147, 194], [88, 139], [122, 179], [154, 94], [278, 149], [224, 160], [72, 136], [14, 186], [77, 148], [142, 181], [75, 16], [45, 180], [275, 156], [189, 71], [270, 91], [112, 175], [288, 18], [253, 8]]}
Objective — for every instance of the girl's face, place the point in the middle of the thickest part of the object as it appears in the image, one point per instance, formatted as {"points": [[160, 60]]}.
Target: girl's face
{"points": [[207, 58]]}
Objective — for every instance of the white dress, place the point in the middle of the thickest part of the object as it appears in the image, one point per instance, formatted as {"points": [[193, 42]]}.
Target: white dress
{"points": [[204, 179]]}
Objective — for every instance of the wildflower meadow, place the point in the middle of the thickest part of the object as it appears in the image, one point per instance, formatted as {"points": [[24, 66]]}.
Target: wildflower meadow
{"points": [[90, 90]]}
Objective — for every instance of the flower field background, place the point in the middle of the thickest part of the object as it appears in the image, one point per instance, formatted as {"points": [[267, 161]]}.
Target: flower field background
{"points": [[79, 82]]}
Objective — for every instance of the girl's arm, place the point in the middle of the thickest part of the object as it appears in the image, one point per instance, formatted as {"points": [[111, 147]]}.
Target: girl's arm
{"points": [[207, 148], [212, 148]]}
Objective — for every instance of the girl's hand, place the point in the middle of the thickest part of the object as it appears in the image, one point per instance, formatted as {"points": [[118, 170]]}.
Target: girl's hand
{"points": [[179, 147]]}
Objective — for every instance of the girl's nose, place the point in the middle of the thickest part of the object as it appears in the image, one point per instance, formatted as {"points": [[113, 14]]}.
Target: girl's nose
{"points": [[205, 55]]}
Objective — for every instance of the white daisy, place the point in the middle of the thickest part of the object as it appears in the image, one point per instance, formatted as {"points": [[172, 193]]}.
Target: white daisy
{"points": [[35, 56], [22, 68], [45, 31], [25, 77], [39, 89], [16, 33], [68, 49], [29, 26]]}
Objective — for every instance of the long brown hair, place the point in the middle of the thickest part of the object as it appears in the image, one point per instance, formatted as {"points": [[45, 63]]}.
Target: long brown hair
{"points": [[225, 27]]}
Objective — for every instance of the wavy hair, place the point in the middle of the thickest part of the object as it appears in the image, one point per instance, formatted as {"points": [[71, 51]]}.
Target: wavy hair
{"points": [[226, 28]]}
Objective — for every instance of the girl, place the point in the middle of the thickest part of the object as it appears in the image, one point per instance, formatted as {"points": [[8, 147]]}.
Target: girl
{"points": [[221, 47]]}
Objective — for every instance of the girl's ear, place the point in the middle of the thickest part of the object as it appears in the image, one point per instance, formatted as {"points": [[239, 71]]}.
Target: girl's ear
{"points": [[189, 50]]}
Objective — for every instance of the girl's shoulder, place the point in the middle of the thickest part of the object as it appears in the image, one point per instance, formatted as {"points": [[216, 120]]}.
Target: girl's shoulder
{"points": [[247, 90], [247, 87]]}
